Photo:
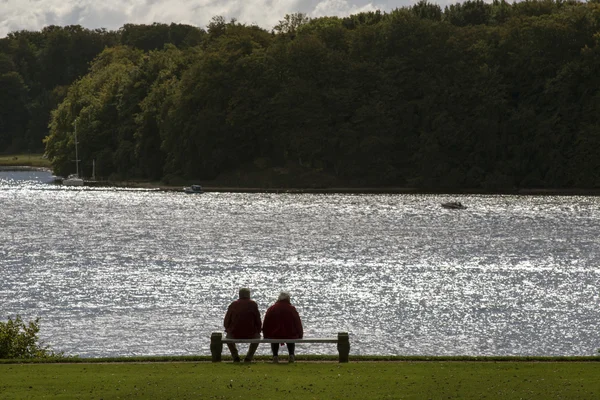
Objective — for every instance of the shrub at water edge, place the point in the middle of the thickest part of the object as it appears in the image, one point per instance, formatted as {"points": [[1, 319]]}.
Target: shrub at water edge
{"points": [[19, 339]]}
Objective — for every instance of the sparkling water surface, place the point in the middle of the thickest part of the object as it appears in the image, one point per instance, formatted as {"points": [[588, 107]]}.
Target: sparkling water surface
{"points": [[120, 272]]}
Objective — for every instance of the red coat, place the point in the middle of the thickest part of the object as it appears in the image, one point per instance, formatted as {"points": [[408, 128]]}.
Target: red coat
{"points": [[282, 322], [242, 320]]}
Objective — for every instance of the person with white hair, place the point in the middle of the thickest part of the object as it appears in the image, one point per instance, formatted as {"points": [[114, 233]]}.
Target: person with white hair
{"points": [[282, 321], [242, 321]]}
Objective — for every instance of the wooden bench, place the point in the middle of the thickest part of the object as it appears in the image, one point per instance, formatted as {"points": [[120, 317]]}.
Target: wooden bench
{"points": [[342, 340]]}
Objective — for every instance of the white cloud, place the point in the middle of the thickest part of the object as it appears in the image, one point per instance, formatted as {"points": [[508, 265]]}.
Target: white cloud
{"points": [[341, 8], [113, 14]]}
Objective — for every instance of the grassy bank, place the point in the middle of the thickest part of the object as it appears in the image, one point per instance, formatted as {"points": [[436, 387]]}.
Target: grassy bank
{"points": [[24, 160], [303, 380]]}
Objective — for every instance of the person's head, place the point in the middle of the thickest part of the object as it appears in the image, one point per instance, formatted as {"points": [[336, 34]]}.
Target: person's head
{"points": [[244, 293], [283, 296]]}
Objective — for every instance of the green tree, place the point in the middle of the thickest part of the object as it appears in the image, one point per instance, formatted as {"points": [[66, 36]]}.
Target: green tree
{"points": [[470, 12], [102, 106], [157, 35], [426, 10], [19, 340], [13, 111], [201, 135], [290, 24], [159, 77]]}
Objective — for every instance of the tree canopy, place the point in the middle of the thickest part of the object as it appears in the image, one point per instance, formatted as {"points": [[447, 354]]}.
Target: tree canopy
{"points": [[478, 95]]}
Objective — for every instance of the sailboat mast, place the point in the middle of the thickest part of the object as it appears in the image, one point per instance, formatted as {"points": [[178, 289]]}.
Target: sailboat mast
{"points": [[76, 153]]}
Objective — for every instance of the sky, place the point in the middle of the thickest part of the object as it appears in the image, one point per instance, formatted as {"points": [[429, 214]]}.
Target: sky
{"points": [[34, 15]]}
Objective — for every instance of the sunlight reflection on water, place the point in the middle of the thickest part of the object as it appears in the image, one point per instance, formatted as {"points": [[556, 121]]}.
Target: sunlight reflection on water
{"points": [[124, 272]]}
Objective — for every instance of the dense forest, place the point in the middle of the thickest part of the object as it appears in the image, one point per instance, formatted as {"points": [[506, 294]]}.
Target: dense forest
{"points": [[476, 95]]}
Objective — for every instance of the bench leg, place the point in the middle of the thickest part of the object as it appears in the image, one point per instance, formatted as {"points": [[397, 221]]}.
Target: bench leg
{"points": [[216, 346], [343, 346]]}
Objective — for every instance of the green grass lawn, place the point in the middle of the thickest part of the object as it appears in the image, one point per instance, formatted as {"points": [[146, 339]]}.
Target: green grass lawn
{"points": [[303, 380], [30, 160]]}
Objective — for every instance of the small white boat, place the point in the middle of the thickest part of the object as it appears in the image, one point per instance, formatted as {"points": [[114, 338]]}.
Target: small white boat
{"points": [[454, 205], [193, 189], [73, 180]]}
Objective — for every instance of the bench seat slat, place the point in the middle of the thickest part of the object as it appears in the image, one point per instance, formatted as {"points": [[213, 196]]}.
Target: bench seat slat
{"points": [[343, 344]]}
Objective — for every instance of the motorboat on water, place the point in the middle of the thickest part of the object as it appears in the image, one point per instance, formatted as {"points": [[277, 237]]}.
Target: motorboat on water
{"points": [[454, 205], [193, 189]]}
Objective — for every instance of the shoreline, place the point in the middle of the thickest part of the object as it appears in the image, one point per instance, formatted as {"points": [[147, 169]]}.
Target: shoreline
{"points": [[215, 187], [308, 358], [357, 190]]}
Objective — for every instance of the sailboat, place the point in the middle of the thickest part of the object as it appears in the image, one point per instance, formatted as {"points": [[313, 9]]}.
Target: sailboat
{"points": [[74, 179]]}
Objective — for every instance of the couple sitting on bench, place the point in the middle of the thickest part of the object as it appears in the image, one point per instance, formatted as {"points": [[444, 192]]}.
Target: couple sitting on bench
{"points": [[242, 321]]}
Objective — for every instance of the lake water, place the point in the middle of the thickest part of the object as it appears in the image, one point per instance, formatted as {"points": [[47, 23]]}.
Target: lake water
{"points": [[117, 272]]}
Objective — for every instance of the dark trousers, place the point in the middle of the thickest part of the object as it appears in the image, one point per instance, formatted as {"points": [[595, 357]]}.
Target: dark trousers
{"points": [[290, 346], [251, 349]]}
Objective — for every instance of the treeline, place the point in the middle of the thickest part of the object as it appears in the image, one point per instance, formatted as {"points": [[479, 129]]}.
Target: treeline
{"points": [[477, 95], [36, 69]]}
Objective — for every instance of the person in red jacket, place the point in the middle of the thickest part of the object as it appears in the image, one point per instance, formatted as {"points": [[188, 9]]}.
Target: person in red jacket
{"points": [[242, 321], [282, 321]]}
